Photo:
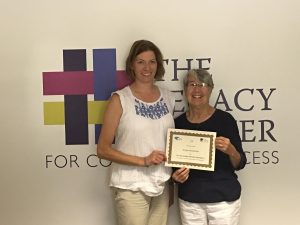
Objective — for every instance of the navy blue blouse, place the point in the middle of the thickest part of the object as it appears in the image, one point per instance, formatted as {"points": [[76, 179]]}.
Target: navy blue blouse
{"points": [[221, 184]]}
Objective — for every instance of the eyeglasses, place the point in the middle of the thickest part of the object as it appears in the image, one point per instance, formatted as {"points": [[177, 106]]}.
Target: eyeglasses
{"points": [[194, 85]]}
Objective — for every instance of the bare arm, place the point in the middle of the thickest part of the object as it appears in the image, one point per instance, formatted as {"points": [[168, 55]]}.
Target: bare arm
{"points": [[104, 148]]}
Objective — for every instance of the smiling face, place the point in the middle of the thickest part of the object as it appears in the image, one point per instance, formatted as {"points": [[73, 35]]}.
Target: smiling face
{"points": [[145, 67], [197, 93]]}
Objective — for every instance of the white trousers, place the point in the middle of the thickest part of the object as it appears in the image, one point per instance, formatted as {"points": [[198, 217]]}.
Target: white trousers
{"points": [[221, 213]]}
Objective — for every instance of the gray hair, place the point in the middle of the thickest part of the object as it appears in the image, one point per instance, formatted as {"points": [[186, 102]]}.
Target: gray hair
{"points": [[201, 75]]}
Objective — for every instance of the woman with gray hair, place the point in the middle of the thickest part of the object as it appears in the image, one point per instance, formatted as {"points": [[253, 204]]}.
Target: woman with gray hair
{"points": [[210, 197]]}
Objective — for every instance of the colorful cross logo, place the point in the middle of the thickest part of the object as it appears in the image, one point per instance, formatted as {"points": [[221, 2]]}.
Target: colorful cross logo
{"points": [[75, 83]]}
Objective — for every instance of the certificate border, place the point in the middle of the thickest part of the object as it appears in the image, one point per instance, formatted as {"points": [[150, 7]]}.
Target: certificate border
{"points": [[200, 166]]}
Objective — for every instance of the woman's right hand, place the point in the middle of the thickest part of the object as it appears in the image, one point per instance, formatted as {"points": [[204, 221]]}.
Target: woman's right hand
{"points": [[181, 175], [155, 158]]}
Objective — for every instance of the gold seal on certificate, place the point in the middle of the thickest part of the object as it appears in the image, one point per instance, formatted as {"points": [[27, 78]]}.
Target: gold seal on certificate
{"points": [[190, 148]]}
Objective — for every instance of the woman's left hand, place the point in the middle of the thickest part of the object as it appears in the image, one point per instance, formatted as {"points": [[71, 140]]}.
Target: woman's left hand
{"points": [[223, 144]]}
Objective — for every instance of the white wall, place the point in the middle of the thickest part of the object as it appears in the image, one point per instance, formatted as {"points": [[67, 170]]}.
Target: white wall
{"points": [[252, 45]]}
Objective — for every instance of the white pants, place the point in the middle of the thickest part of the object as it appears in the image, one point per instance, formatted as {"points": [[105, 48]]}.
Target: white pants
{"points": [[220, 213]]}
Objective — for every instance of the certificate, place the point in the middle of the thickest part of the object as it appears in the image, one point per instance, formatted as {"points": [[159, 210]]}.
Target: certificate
{"points": [[190, 148]]}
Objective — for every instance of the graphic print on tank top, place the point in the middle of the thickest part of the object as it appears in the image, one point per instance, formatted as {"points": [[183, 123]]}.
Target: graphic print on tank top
{"points": [[152, 111]]}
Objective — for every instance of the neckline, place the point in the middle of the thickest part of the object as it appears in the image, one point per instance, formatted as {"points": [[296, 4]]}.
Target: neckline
{"points": [[207, 119], [157, 100]]}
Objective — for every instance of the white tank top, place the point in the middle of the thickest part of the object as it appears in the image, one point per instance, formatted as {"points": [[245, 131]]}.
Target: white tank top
{"points": [[142, 129]]}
